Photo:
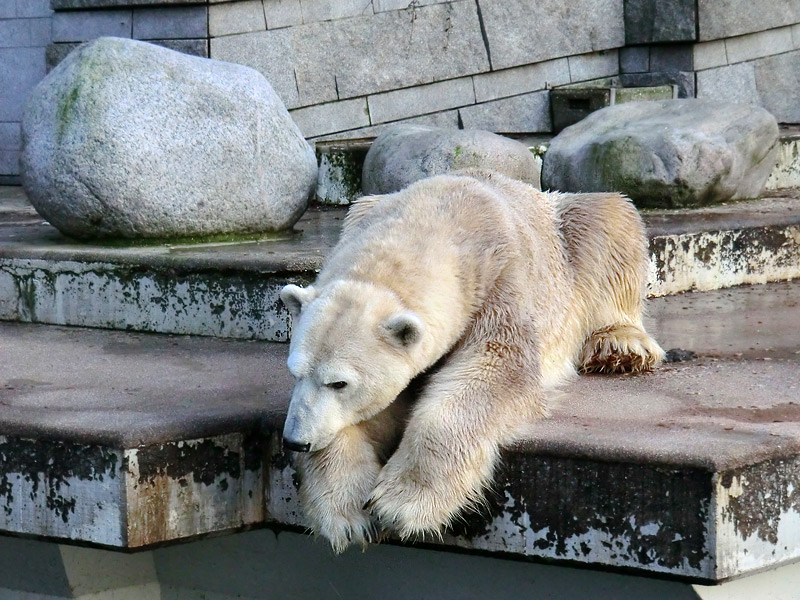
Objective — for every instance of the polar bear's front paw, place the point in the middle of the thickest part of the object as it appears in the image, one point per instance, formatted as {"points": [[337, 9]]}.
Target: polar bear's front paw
{"points": [[620, 349], [407, 508], [336, 481], [409, 503], [342, 528]]}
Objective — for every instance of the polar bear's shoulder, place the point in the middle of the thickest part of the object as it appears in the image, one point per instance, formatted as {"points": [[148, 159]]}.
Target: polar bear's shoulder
{"points": [[358, 210]]}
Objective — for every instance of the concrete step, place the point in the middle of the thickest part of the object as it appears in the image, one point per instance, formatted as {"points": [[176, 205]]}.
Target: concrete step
{"points": [[231, 290], [341, 163], [689, 472]]}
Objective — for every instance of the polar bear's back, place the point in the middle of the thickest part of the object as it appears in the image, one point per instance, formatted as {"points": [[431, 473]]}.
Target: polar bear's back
{"points": [[445, 243], [472, 217]]}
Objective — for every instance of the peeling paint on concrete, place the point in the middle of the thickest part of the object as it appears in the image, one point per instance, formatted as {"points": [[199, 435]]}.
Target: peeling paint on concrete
{"points": [[720, 259], [188, 488], [283, 502], [135, 497], [687, 521], [650, 518], [234, 293], [628, 515], [60, 489], [786, 173], [757, 513], [246, 305], [234, 305]]}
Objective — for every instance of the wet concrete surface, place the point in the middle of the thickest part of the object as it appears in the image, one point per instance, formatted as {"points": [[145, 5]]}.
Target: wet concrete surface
{"points": [[128, 389], [781, 207], [738, 402]]}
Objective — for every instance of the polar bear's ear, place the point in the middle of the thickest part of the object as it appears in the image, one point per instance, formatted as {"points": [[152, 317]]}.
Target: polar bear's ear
{"points": [[403, 329], [295, 298]]}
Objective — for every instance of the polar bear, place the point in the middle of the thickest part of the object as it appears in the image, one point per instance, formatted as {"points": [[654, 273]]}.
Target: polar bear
{"points": [[438, 326]]}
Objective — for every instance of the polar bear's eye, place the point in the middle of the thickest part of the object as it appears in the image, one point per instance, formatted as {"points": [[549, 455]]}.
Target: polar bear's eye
{"points": [[337, 385]]}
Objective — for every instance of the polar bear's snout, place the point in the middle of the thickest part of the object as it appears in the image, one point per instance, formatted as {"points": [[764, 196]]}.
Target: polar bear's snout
{"points": [[296, 434], [313, 419], [295, 446]]}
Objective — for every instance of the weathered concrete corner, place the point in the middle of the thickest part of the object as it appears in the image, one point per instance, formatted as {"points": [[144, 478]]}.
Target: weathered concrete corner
{"points": [[193, 487], [130, 497]]}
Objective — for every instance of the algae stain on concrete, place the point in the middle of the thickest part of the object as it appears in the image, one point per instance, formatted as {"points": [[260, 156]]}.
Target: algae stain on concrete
{"points": [[340, 172], [216, 303]]}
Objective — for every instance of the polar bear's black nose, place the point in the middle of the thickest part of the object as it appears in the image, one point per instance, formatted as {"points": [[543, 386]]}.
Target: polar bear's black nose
{"points": [[295, 446]]}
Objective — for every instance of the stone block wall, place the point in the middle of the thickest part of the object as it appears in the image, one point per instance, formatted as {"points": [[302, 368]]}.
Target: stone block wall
{"points": [[758, 68], [25, 32], [347, 69], [727, 50], [183, 28], [34, 37]]}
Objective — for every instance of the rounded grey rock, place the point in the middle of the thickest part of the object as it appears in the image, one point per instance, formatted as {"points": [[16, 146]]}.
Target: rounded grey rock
{"points": [[128, 139], [404, 154], [671, 153]]}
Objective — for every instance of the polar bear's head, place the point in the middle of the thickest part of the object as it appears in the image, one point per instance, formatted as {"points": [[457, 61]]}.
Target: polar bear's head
{"points": [[354, 348]]}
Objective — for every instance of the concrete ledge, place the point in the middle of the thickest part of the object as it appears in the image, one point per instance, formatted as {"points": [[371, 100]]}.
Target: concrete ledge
{"points": [[231, 289], [724, 246], [219, 289], [689, 472]]}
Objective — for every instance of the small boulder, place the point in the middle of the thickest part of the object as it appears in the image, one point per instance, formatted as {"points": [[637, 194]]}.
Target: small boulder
{"points": [[128, 139], [669, 154], [404, 154]]}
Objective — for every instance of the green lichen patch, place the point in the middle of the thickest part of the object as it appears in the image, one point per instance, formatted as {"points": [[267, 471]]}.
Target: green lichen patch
{"points": [[66, 108], [216, 239]]}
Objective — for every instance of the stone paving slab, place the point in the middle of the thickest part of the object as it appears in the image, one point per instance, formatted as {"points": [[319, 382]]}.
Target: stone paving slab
{"points": [[23, 233], [128, 440]]}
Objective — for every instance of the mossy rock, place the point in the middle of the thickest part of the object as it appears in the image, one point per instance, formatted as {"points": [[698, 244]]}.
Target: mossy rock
{"points": [[404, 154], [125, 139], [668, 154]]}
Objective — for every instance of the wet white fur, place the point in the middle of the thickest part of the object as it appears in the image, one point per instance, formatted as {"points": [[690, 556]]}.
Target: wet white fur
{"points": [[516, 288]]}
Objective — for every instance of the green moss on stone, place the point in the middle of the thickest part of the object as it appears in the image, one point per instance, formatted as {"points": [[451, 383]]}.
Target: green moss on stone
{"points": [[621, 168], [344, 170], [65, 110], [190, 240]]}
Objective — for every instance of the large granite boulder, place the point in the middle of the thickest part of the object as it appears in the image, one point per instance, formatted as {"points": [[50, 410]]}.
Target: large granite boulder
{"points": [[128, 139], [404, 154], [672, 153]]}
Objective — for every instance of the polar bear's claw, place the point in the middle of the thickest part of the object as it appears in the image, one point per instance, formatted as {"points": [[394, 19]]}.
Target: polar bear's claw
{"points": [[345, 530], [335, 483], [620, 349]]}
